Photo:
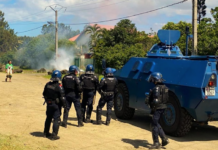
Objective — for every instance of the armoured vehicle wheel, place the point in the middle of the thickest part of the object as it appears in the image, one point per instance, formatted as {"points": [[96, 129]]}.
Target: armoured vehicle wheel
{"points": [[121, 103], [175, 121]]}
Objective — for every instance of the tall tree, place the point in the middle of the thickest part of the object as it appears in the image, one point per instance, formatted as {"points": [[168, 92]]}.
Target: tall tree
{"points": [[8, 39], [201, 10], [95, 33], [214, 13]]}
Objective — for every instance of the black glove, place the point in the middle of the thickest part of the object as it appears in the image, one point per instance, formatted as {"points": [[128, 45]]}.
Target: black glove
{"points": [[152, 111], [64, 104]]}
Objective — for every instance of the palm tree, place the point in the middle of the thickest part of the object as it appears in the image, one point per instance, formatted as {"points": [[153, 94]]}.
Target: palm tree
{"points": [[201, 9], [95, 32]]}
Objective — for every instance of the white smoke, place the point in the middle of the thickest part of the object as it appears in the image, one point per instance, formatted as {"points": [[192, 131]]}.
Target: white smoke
{"points": [[64, 60]]}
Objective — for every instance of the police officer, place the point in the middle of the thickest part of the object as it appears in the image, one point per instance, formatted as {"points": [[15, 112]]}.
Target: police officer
{"points": [[90, 84], [73, 88], [158, 98], [55, 98], [107, 89]]}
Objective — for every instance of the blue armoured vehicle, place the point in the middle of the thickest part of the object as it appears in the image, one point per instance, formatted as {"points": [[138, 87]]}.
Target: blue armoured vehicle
{"points": [[192, 81]]}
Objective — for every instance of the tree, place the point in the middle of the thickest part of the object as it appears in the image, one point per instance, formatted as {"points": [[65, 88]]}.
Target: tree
{"points": [[201, 9], [214, 13], [181, 26], [8, 39], [24, 40], [207, 35], [95, 33], [63, 30], [118, 45]]}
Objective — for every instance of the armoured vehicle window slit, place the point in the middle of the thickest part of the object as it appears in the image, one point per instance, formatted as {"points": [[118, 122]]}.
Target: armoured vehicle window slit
{"points": [[173, 52], [153, 51], [137, 66], [163, 52], [147, 67]]}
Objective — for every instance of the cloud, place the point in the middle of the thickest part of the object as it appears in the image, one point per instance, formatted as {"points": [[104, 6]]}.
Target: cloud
{"points": [[81, 11]]}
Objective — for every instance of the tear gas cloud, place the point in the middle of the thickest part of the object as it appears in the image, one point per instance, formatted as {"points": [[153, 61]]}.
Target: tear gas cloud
{"points": [[42, 54], [64, 60]]}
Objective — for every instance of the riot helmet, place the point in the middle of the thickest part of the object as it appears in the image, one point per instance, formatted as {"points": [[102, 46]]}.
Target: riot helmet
{"points": [[90, 69], [108, 72], [73, 69], [56, 75], [156, 77]]}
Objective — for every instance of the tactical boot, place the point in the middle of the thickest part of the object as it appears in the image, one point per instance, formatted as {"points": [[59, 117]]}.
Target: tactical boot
{"points": [[165, 141], [46, 135], [88, 118], [107, 123], [155, 146], [64, 124], [80, 123], [98, 116], [54, 137], [98, 122]]}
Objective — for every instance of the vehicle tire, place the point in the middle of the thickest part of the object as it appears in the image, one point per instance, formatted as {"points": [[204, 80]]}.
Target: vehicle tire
{"points": [[121, 103], [175, 121]]}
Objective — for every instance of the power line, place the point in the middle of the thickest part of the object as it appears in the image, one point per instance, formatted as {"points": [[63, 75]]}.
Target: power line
{"points": [[118, 18], [130, 15], [36, 14], [51, 15], [29, 30], [98, 7], [68, 11]]}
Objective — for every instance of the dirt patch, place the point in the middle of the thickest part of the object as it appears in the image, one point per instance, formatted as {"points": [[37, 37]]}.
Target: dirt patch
{"points": [[22, 116]]}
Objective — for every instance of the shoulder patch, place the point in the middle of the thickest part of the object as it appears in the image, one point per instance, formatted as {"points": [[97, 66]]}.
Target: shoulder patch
{"points": [[60, 85]]}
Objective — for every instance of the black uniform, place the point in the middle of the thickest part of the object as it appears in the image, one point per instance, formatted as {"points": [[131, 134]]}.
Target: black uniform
{"points": [[107, 89], [72, 87], [55, 98], [158, 98], [90, 85]]}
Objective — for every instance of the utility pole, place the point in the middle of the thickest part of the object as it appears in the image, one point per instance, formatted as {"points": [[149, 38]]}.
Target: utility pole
{"points": [[194, 27], [56, 33], [56, 27]]}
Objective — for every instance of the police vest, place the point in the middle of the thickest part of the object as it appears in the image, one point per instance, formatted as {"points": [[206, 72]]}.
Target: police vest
{"points": [[69, 82], [89, 82], [109, 84], [160, 95], [52, 91]]}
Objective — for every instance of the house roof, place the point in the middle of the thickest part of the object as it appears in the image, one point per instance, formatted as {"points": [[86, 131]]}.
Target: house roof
{"points": [[108, 27], [150, 36], [74, 38]]}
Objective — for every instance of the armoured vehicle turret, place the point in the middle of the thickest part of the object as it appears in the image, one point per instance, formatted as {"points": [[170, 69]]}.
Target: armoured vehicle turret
{"points": [[192, 81]]}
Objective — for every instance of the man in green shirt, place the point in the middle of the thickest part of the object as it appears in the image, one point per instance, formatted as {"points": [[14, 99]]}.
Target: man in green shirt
{"points": [[9, 70]]}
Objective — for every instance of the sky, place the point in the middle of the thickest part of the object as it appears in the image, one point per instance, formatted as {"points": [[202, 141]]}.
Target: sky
{"points": [[24, 15]]}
